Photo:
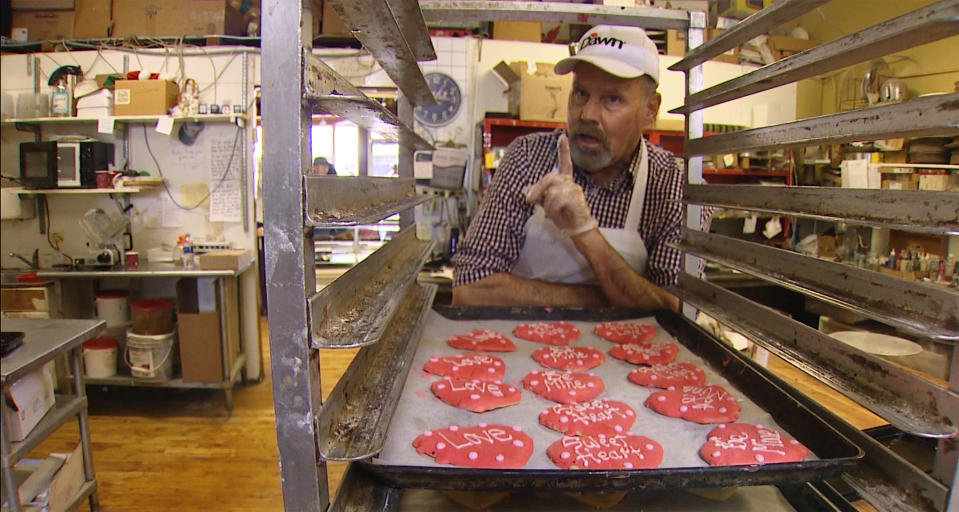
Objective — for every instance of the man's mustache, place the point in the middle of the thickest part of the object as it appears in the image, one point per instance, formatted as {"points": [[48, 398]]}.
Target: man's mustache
{"points": [[591, 132]]}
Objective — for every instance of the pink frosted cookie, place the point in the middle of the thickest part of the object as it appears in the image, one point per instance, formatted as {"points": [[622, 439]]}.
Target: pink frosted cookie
{"points": [[702, 404], [476, 395], [625, 332], [485, 340], [667, 376], [482, 446], [564, 387], [569, 358], [551, 333], [745, 444], [653, 353], [606, 452], [596, 417], [468, 366]]}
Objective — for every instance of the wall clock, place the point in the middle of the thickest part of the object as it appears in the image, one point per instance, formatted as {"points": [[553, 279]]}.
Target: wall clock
{"points": [[448, 101]]}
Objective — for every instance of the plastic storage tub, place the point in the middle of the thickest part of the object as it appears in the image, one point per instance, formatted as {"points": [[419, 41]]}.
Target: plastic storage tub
{"points": [[151, 317]]}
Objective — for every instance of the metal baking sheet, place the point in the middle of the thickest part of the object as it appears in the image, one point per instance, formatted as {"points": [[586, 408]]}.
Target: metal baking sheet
{"points": [[762, 402]]}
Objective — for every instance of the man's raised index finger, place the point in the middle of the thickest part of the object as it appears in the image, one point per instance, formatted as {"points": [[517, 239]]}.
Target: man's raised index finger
{"points": [[565, 161]]}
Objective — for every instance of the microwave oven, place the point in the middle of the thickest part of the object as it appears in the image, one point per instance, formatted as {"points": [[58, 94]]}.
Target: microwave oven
{"points": [[54, 164]]}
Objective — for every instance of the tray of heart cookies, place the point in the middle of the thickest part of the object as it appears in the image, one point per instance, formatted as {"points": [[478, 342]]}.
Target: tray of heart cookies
{"points": [[585, 400]]}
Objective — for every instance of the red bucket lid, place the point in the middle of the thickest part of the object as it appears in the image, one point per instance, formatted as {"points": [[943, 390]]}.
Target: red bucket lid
{"points": [[101, 343], [151, 304], [113, 294]]}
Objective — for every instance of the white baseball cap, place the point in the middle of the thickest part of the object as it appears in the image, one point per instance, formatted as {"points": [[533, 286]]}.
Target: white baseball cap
{"points": [[626, 52]]}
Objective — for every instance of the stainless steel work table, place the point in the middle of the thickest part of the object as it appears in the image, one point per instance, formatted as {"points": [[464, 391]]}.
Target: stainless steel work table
{"points": [[45, 340], [153, 270]]}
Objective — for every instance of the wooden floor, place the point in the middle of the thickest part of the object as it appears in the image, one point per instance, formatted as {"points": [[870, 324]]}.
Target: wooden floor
{"points": [[176, 450]]}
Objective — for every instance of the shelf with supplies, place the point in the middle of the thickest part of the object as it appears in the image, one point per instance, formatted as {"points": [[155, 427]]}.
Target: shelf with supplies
{"points": [[77, 191], [209, 118]]}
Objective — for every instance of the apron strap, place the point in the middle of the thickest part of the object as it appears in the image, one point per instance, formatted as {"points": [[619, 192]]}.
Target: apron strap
{"points": [[635, 212]]}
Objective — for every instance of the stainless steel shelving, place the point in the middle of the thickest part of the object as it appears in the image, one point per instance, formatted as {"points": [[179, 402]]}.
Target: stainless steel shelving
{"points": [[46, 340]]}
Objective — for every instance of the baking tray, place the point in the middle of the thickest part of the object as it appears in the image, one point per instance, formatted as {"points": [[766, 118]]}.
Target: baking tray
{"points": [[398, 465]]}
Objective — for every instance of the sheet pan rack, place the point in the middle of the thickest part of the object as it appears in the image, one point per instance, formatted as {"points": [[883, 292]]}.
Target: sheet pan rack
{"points": [[359, 308], [913, 404]]}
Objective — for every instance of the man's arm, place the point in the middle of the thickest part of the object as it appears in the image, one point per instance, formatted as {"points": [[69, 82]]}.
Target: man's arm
{"points": [[505, 289], [620, 283]]}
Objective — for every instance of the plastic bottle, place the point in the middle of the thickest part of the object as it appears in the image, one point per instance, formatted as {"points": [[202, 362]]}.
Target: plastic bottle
{"points": [[188, 252], [178, 251]]}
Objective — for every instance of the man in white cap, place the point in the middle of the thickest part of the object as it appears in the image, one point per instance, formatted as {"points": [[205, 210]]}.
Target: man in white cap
{"points": [[583, 217]]}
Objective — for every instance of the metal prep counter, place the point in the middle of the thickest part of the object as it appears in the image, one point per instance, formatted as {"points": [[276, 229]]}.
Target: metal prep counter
{"points": [[45, 340], [228, 294]]}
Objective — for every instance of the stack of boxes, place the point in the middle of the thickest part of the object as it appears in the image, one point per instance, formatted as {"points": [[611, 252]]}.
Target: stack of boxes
{"points": [[53, 20]]}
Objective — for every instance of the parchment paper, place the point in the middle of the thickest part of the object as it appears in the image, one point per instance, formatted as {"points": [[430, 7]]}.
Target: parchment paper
{"points": [[419, 410]]}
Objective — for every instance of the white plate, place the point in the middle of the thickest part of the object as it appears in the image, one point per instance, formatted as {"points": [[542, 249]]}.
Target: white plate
{"points": [[879, 344]]}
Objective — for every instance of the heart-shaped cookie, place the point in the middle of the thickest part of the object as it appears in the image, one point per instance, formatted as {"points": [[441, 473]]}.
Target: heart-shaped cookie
{"points": [[625, 332], [702, 404], [476, 395], [551, 333], [667, 376], [653, 353], [482, 446], [622, 451], [485, 340], [468, 366], [596, 417], [746, 444], [569, 358], [564, 387]]}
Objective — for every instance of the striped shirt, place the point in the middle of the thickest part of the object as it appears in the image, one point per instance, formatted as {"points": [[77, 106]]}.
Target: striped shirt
{"points": [[496, 235]]}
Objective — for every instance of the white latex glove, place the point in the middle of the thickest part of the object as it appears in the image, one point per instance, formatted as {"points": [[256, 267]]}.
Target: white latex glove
{"points": [[560, 196]]}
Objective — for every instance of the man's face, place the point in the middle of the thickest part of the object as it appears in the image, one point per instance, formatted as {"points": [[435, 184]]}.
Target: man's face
{"points": [[606, 116]]}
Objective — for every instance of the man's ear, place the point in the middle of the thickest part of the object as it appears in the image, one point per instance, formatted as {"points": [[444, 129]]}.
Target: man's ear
{"points": [[651, 111]]}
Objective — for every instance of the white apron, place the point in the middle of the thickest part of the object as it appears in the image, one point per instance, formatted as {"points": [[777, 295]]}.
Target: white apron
{"points": [[548, 253]]}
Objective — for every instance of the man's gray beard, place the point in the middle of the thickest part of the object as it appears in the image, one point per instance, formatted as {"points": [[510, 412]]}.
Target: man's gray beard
{"points": [[589, 162]]}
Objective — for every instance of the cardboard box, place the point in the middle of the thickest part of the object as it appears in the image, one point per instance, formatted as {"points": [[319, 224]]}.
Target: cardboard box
{"points": [[730, 56], [736, 8], [933, 179], [226, 259], [784, 46], [900, 181], [676, 42], [44, 25], [331, 23], [67, 481], [540, 96], [27, 5], [27, 401], [144, 97], [172, 18], [518, 30], [93, 19], [199, 331]]}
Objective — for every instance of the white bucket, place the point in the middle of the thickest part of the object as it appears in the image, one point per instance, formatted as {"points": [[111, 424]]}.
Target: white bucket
{"points": [[150, 357], [100, 358], [113, 307]]}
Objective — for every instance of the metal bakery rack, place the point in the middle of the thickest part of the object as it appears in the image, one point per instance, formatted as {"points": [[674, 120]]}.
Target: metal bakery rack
{"points": [[378, 305]]}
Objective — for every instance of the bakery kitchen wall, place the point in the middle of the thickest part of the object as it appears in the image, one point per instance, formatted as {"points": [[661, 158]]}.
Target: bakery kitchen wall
{"points": [[156, 218]]}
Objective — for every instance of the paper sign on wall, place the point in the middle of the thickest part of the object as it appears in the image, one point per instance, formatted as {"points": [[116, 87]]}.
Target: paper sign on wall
{"points": [[226, 202]]}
